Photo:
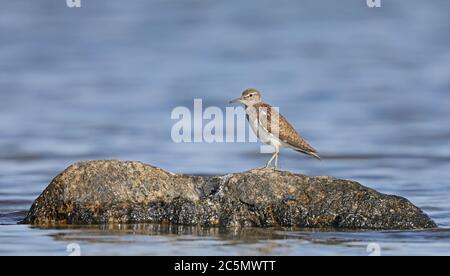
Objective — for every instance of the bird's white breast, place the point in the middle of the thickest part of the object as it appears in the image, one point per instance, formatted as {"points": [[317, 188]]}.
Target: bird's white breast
{"points": [[263, 135]]}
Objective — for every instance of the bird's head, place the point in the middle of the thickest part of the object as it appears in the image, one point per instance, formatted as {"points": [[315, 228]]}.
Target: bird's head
{"points": [[249, 97]]}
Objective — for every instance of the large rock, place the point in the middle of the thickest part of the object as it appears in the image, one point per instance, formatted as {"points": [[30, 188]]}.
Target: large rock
{"points": [[99, 192]]}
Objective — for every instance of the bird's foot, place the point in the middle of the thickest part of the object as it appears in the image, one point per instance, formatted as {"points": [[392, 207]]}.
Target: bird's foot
{"points": [[268, 167]]}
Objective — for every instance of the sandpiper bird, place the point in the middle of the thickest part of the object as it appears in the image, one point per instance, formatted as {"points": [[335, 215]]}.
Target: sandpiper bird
{"points": [[271, 127]]}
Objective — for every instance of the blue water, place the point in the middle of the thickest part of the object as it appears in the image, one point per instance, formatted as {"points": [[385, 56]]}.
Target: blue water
{"points": [[369, 88]]}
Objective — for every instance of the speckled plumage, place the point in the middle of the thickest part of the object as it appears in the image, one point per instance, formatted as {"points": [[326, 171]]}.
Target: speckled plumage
{"points": [[285, 131]]}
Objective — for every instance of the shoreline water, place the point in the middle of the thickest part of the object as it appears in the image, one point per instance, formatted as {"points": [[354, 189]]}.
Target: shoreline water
{"points": [[369, 88]]}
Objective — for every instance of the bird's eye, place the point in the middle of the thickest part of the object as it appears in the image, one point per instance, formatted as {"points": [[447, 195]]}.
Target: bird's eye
{"points": [[251, 95]]}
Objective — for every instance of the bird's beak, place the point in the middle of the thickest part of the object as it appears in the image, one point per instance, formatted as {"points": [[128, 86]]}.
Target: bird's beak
{"points": [[238, 100]]}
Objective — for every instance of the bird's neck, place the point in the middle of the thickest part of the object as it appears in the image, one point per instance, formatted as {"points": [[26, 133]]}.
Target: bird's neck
{"points": [[252, 105]]}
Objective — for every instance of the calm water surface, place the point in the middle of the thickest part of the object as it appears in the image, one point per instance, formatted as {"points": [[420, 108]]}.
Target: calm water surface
{"points": [[370, 88]]}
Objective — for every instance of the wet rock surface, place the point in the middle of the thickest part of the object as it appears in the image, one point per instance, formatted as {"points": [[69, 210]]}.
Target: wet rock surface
{"points": [[106, 192]]}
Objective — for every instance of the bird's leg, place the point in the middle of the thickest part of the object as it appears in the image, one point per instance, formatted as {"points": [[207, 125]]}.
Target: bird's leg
{"points": [[276, 159], [271, 159]]}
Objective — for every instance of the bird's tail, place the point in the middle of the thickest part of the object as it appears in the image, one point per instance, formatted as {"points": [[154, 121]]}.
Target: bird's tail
{"points": [[315, 155], [310, 153]]}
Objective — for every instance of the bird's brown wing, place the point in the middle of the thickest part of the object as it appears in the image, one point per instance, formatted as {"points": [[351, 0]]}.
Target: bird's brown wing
{"points": [[268, 118]]}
